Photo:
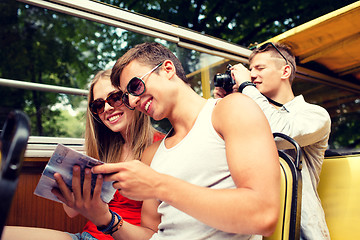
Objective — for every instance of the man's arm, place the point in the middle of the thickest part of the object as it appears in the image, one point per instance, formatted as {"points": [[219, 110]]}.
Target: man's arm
{"points": [[251, 155], [306, 126]]}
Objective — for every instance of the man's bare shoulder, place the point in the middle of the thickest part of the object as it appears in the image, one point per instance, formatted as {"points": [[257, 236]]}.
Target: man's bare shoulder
{"points": [[237, 110], [235, 103]]}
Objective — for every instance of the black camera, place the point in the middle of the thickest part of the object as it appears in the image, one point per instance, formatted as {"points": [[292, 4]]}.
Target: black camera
{"points": [[224, 80]]}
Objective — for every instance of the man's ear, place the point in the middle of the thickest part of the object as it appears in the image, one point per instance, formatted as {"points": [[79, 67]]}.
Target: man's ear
{"points": [[169, 68], [286, 72]]}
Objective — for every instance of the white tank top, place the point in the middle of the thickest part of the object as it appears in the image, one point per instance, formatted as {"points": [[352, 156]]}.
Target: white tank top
{"points": [[199, 159]]}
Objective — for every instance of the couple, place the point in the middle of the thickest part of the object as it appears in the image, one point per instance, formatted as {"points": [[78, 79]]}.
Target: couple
{"points": [[214, 176]]}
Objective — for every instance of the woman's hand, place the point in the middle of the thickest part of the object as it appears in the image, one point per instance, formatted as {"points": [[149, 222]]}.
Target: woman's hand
{"points": [[80, 198]]}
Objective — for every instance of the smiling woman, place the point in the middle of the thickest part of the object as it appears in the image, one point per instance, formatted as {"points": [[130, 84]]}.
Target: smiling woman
{"points": [[113, 99], [114, 133]]}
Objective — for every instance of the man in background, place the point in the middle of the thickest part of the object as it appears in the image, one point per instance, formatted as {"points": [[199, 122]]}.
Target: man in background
{"points": [[268, 83]]}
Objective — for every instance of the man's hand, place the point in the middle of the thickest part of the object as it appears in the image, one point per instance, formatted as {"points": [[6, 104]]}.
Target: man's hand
{"points": [[240, 74], [219, 92], [134, 179]]}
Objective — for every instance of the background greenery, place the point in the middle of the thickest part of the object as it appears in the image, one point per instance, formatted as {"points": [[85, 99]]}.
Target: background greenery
{"points": [[43, 46]]}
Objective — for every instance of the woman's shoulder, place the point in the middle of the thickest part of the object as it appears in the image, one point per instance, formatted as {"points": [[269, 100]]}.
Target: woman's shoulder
{"points": [[149, 152]]}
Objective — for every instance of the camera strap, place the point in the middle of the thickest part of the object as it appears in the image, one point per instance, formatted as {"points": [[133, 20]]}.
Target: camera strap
{"points": [[273, 102]]}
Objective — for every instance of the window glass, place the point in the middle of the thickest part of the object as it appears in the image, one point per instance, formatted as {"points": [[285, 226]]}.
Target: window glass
{"points": [[47, 47], [56, 49]]}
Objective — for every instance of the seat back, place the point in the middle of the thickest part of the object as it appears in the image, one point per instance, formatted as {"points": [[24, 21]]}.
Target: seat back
{"points": [[13, 141], [339, 191], [288, 226]]}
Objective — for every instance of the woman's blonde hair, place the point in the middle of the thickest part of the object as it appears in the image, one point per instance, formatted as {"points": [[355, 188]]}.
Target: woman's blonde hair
{"points": [[106, 145]]}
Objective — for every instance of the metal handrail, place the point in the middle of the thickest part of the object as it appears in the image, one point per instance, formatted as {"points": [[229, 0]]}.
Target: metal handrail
{"points": [[117, 17], [114, 16], [42, 87]]}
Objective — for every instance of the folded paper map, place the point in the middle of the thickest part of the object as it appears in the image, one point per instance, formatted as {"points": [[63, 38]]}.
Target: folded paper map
{"points": [[62, 161]]}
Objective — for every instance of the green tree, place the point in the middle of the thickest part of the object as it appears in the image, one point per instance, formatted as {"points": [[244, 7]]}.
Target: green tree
{"points": [[248, 22], [43, 46], [238, 21]]}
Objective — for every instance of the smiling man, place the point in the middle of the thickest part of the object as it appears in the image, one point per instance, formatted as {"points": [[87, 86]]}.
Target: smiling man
{"points": [[272, 71]]}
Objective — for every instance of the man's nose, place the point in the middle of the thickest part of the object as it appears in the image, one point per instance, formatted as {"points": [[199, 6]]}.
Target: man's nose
{"points": [[253, 74], [134, 101]]}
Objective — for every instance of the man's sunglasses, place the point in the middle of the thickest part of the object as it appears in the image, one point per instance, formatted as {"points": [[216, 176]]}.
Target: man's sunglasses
{"points": [[266, 45], [113, 99], [136, 87]]}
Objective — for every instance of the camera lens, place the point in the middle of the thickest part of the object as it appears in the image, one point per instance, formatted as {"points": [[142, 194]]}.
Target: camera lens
{"points": [[224, 80]]}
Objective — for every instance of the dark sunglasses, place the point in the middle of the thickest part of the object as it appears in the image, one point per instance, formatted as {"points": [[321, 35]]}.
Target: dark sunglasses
{"points": [[113, 99], [136, 87], [266, 45]]}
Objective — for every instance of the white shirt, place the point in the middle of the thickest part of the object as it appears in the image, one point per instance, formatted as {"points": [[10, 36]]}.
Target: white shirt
{"points": [[200, 159], [309, 125]]}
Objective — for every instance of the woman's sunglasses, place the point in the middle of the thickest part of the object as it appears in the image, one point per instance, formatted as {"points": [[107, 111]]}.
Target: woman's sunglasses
{"points": [[136, 87], [113, 99]]}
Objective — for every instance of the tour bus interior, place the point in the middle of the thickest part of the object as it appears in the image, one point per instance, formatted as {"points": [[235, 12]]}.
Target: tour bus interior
{"points": [[327, 50]]}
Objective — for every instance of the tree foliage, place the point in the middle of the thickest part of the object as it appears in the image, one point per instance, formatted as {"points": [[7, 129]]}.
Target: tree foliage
{"points": [[238, 21], [43, 46]]}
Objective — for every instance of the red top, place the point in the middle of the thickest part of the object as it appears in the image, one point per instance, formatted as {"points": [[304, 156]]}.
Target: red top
{"points": [[158, 136], [128, 209]]}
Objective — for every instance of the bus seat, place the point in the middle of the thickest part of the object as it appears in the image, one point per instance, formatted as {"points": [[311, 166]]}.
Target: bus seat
{"points": [[339, 191], [13, 140], [288, 226]]}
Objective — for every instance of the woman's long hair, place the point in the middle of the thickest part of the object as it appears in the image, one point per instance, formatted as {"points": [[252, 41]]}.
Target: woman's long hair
{"points": [[102, 143]]}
